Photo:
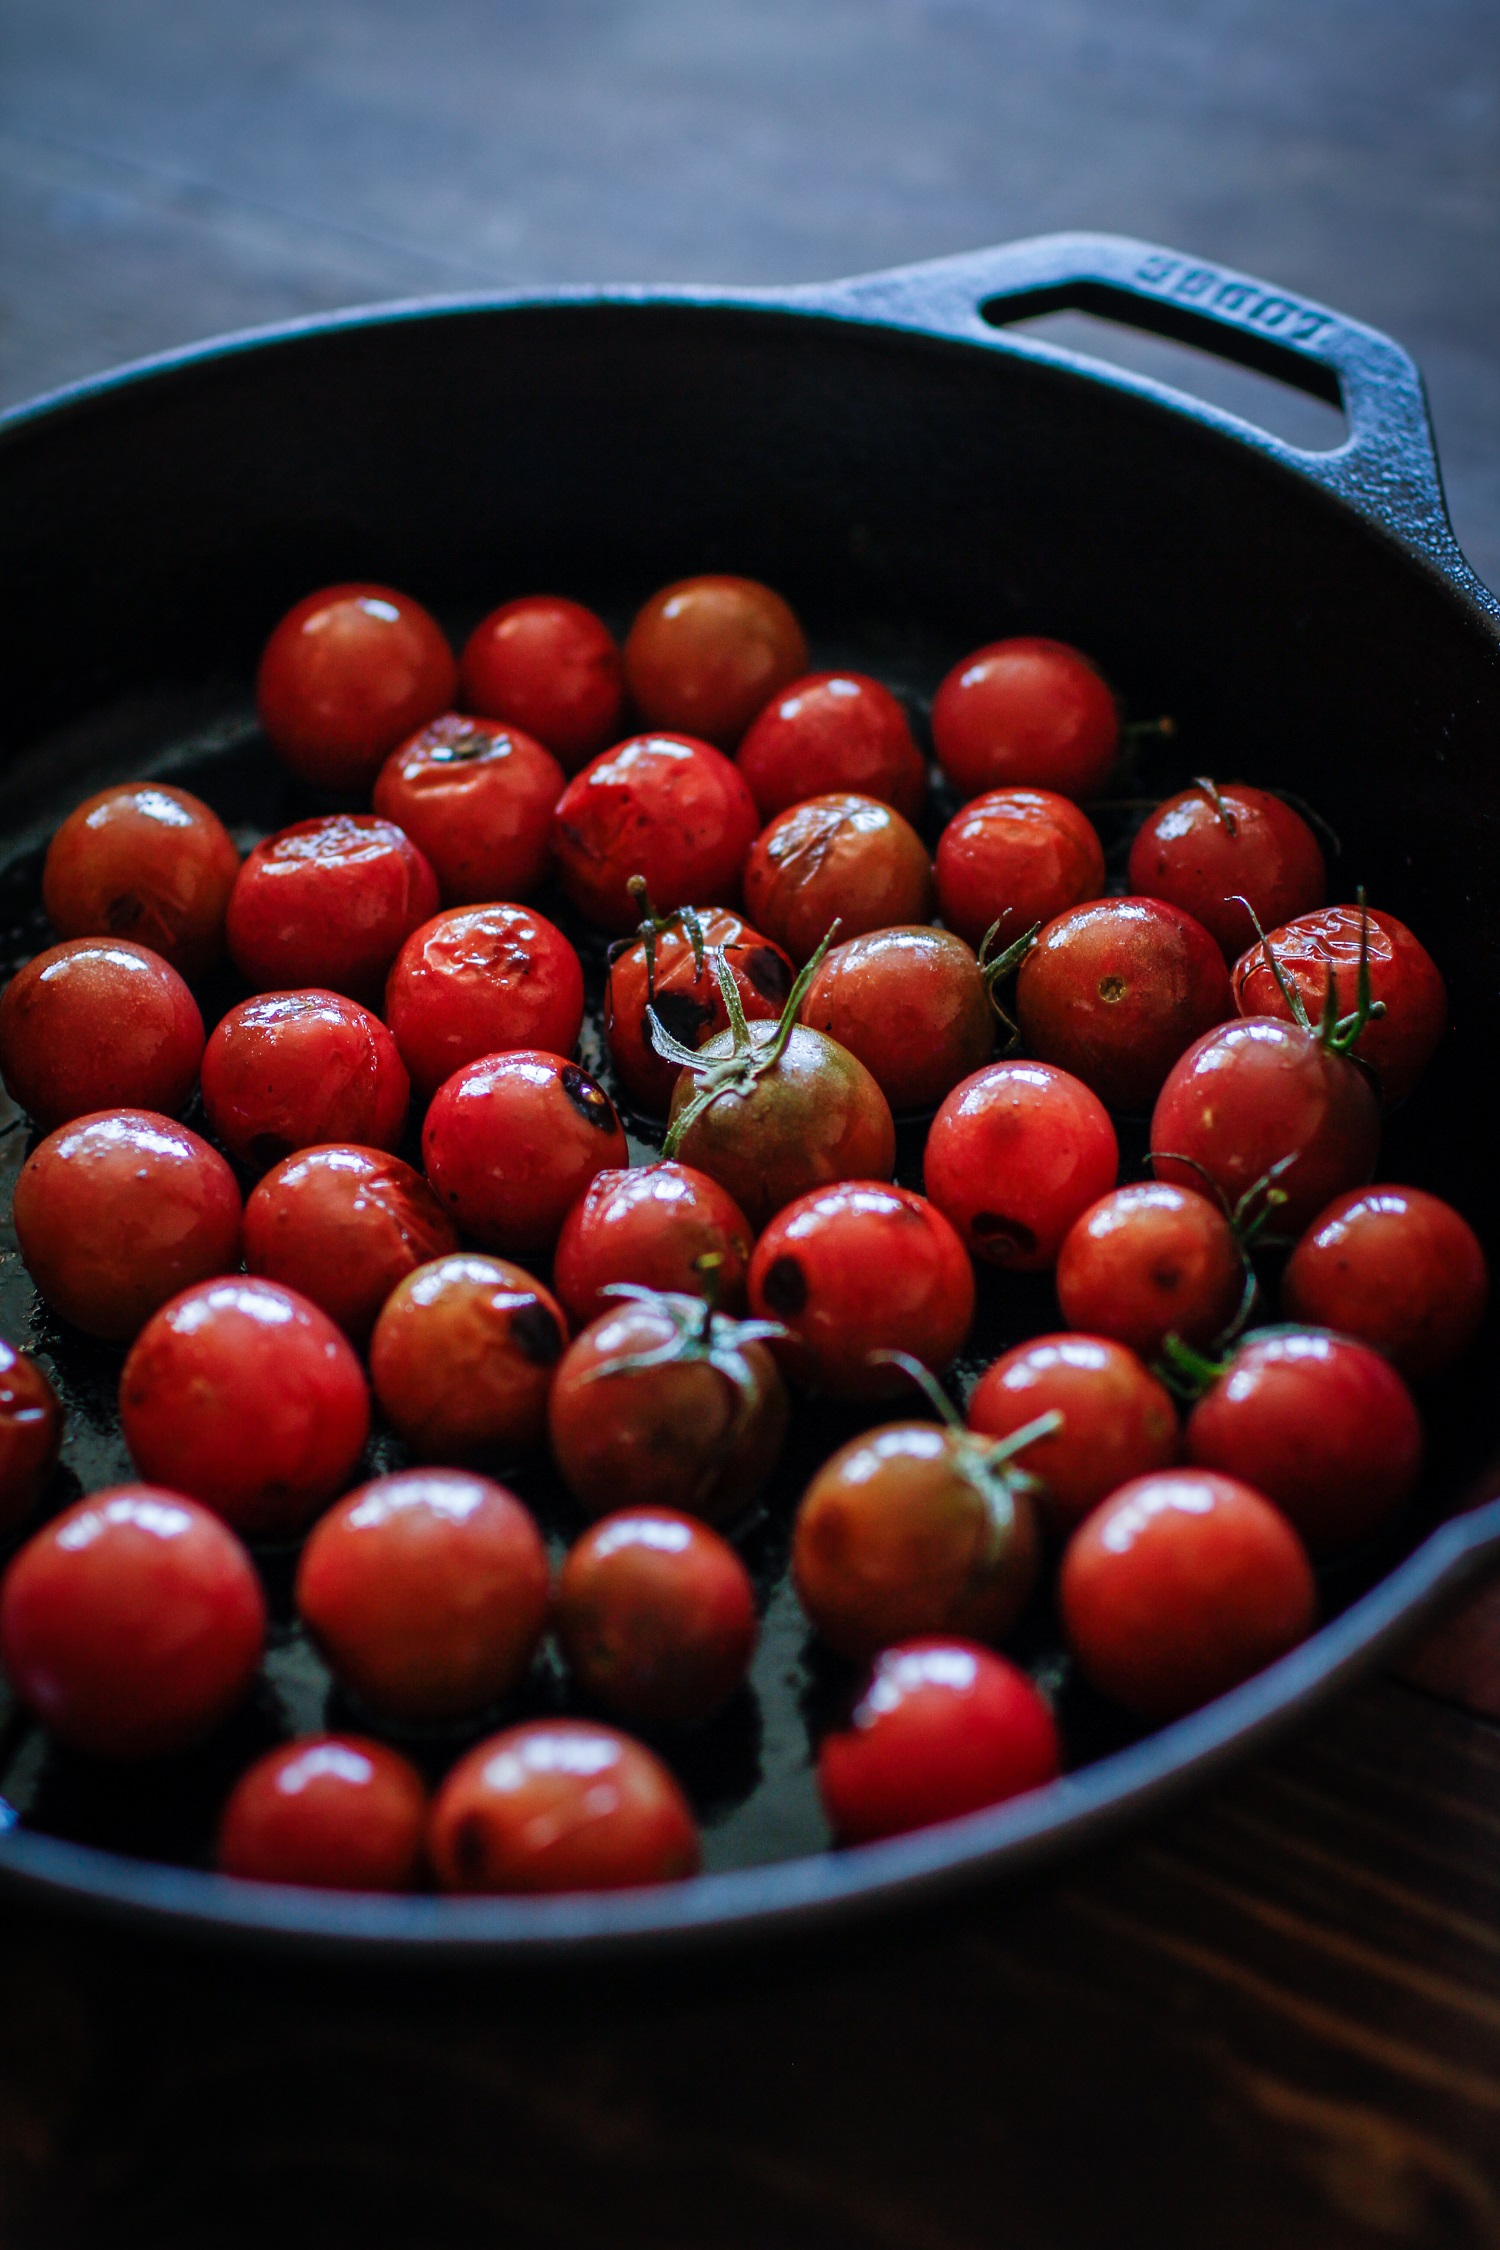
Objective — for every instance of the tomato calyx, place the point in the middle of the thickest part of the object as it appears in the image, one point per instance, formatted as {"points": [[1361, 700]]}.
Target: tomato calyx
{"points": [[1190, 1373], [697, 1333], [994, 971], [1179, 1365], [652, 926], [741, 1070], [988, 1464], [1339, 1034]]}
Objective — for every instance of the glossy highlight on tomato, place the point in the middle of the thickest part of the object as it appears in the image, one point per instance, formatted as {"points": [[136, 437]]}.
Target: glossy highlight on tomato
{"points": [[1013, 858], [550, 666], [666, 807], [833, 731], [328, 902], [706, 654], [1396, 1268], [463, 1356], [912, 1005], [482, 980], [1118, 1419], [1116, 990], [1149, 1261], [1016, 1153], [1027, 712], [659, 1226], [348, 673], [343, 1225], [145, 862], [512, 1141], [333, 1811], [841, 859], [1326, 947], [288, 1070], [98, 1023], [1220, 852], [476, 799], [656, 1617]]}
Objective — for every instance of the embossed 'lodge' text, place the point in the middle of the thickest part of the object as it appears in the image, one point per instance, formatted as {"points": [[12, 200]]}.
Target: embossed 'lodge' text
{"points": [[1265, 309]]}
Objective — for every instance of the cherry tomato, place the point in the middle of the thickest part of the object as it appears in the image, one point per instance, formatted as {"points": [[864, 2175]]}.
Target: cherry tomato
{"points": [[482, 980], [476, 799], [1180, 1586], [335, 1812], [912, 1005], [427, 1592], [132, 1623], [1118, 1421], [31, 1429], [1015, 857], [656, 1226], [348, 673], [560, 1805], [329, 902], [116, 1212], [146, 862], [843, 859], [833, 731], [656, 1617], [706, 654], [98, 1024], [942, 1728], [1150, 1261], [1027, 712], [661, 970], [1015, 1154], [550, 666], [1323, 947], [512, 1141], [245, 1395], [343, 1225], [661, 806], [463, 1356], [1208, 850], [288, 1070], [1115, 991], [1396, 1268]]}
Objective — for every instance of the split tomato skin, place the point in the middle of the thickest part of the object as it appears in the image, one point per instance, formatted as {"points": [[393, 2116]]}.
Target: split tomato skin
{"points": [[688, 1000], [463, 1355], [1150, 1261], [1015, 857], [1118, 1419], [840, 858], [1185, 854], [1029, 713], [1404, 979], [482, 980], [666, 807], [651, 1226], [98, 1023], [656, 1617], [31, 1432], [1395, 1268], [910, 1004], [511, 1142], [348, 673], [476, 799], [145, 862], [343, 1225], [704, 655], [1016, 1153], [288, 1070], [328, 902], [833, 731], [549, 666], [942, 1728], [334, 1812]]}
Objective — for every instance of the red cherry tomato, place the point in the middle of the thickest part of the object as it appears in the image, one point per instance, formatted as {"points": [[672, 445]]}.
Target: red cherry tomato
{"points": [[656, 1617], [1396, 1268], [706, 654], [942, 1728], [688, 1000], [1027, 712], [1015, 857], [476, 799], [833, 731], [560, 1805], [463, 1355], [427, 1592], [1015, 1154], [512, 1141], [912, 1005], [1151, 1261], [146, 862], [843, 859], [347, 674], [1181, 1586], [550, 666], [31, 1429], [655, 1226], [662, 806], [132, 1623], [1208, 850], [343, 1225], [116, 1212], [1118, 1421], [1404, 979], [245, 1395], [98, 1024], [334, 1812], [329, 902], [288, 1070], [482, 980]]}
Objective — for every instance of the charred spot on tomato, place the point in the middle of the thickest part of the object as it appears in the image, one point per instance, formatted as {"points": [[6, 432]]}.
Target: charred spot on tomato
{"points": [[785, 1286], [680, 1015], [536, 1333], [1001, 1233], [769, 973], [588, 1098], [1112, 988]]}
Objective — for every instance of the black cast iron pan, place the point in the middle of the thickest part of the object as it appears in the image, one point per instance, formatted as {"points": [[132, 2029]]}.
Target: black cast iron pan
{"points": [[917, 478]]}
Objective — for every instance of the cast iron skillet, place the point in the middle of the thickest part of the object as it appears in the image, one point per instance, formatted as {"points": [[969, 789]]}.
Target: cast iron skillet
{"points": [[917, 480]]}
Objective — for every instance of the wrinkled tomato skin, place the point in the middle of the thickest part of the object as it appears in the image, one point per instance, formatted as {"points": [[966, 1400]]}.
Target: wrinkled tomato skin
{"points": [[688, 1001], [482, 980], [328, 902], [1323, 1426], [650, 1226], [1180, 1586], [1027, 713], [1250, 1093], [833, 731], [550, 666], [116, 1212], [858, 1268], [132, 1623], [1015, 857], [476, 799], [146, 862], [31, 1430], [288, 1070], [512, 1141], [1396, 1268], [1030, 1138], [817, 1117], [1185, 855], [1118, 1419], [893, 1540], [656, 1617], [561, 1805], [335, 1812], [245, 1395], [98, 1023], [1150, 1261], [1116, 990], [343, 1225], [427, 1592], [942, 1728], [663, 806], [348, 673], [706, 654], [1404, 978], [463, 1356], [841, 858], [911, 1005]]}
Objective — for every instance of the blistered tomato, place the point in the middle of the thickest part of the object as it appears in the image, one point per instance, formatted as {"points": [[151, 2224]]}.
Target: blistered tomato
{"points": [[328, 902], [1118, 1420], [1395, 1267], [344, 1225], [1116, 990], [482, 980], [31, 1428], [912, 1005], [662, 806], [288, 1070], [476, 799], [1015, 857], [656, 1616], [833, 730], [463, 1356], [707, 654], [512, 1141], [98, 1024], [333, 1811], [147, 862], [1016, 1153], [1025, 712], [348, 673], [1221, 852], [550, 666], [660, 1226], [839, 859]]}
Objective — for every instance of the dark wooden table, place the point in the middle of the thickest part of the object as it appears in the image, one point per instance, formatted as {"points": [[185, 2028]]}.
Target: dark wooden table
{"points": [[1273, 2018]]}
